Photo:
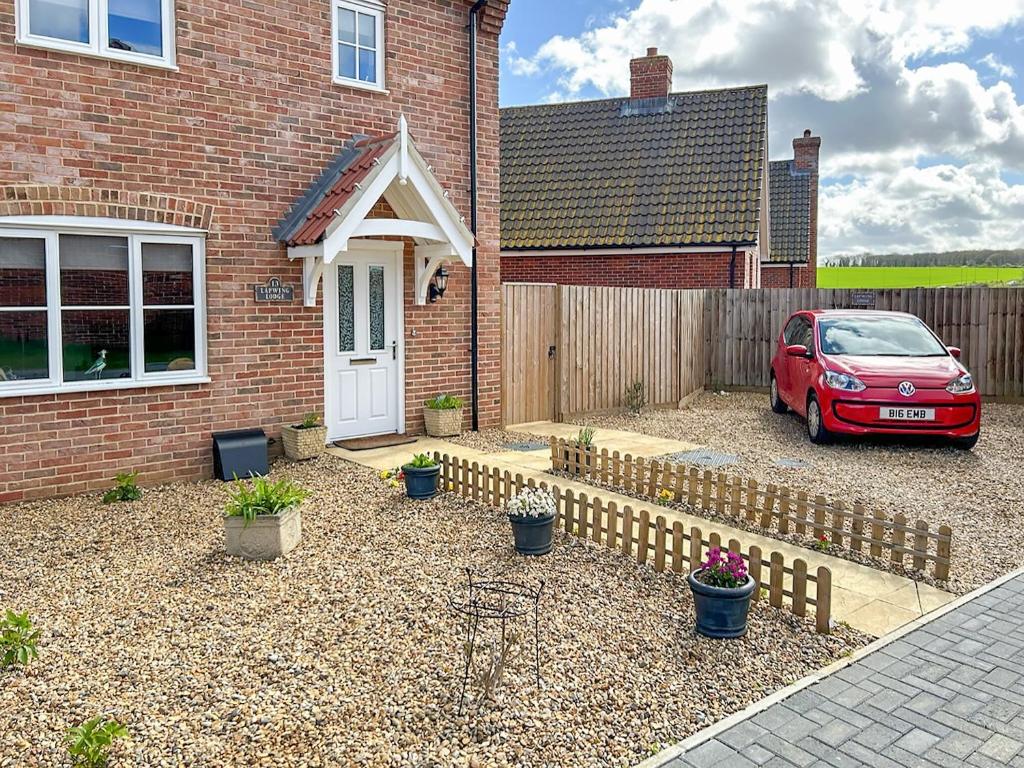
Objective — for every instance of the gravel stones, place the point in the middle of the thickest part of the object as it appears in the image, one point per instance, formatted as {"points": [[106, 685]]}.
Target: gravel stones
{"points": [[979, 493], [344, 652]]}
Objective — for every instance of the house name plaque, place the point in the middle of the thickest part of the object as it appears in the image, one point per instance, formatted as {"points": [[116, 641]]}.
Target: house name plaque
{"points": [[274, 290]]}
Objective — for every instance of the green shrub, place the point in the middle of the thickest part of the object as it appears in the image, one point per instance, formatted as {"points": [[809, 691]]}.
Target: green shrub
{"points": [[263, 498], [636, 397], [310, 420], [444, 403], [17, 639], [126, 489], [89, 743], [585, 437], [421, 461]]}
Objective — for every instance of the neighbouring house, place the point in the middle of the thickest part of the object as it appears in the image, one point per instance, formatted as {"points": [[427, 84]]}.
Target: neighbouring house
{"points": [[213, 219], [660, 189], [793, 211]]}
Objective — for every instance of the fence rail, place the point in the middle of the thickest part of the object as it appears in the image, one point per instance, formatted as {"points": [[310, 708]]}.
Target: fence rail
{"points": [[768, 507], [635, 534]]}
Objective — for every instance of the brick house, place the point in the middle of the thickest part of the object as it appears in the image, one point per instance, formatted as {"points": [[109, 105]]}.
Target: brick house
{"points": [[793, 210], [163, 165], [660, 189]]}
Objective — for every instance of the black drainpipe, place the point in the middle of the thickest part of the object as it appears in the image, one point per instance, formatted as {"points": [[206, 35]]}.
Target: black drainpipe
{"points": [[473, 323], [732, 269]]}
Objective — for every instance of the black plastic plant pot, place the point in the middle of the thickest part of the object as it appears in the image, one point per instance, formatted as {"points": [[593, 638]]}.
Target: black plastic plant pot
{"points": [[421, 482], [532, 534], [721, 612]]}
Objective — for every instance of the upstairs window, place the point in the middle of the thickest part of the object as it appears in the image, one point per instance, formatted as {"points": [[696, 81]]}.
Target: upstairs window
{"points": [[82, 310], [358, 41], [139, 31]]}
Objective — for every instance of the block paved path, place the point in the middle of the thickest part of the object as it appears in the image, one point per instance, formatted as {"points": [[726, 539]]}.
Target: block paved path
{"points": [[948, 693]]}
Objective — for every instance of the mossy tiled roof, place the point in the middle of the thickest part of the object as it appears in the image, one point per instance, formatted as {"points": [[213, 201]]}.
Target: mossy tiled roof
{"points": [[789, 204], [681, 170]]}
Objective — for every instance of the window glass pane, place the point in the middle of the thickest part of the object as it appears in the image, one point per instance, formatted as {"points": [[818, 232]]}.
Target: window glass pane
{"points": [[95, 344], [346, 60], [367, 66], [376, 307], [367, 30], [62, 19], [23, 352], [346, 309], [22, 272], [136, 25], [346, 25], [166, 273], [169, 340], [93, 271]]}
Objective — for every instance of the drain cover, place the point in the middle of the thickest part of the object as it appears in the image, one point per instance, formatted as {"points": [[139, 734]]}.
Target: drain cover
{"points": [[792, 463], [534, 446], [704, 457]]}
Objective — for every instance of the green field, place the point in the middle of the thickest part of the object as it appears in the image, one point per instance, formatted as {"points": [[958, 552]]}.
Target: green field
{"points": [[916, 277]]}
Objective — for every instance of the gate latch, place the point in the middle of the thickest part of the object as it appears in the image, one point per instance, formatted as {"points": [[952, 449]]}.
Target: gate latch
{"points": [[551, 352]]}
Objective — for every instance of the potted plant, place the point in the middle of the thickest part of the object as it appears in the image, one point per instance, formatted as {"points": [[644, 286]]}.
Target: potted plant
{"points": [[579, 456], [262, 522], [532, 515], [305, 440], [443, 416], [421, 475], [721, 594]]}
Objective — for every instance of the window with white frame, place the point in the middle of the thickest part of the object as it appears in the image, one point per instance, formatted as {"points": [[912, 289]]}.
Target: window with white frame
{"points": [[358, 41], [99, 309], [141, 31]]}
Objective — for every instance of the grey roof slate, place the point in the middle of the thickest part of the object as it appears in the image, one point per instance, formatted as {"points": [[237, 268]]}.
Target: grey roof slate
{"points": [[789, 196], [681, 170]]}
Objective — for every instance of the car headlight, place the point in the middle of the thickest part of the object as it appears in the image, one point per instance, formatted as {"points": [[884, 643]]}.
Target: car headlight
{"points": [[961, 385], [844, 381]]}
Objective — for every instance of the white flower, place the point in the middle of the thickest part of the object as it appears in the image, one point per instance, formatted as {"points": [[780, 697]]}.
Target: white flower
{"points": [[531, 502]]}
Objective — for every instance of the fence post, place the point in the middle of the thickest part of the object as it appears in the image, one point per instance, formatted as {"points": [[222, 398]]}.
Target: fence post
{"points": [[799, 587], [769, 506], [877, 533], [696, 548], [857, 526], [920, 545], [775, 585], [899, 536], [556, 458], [569, 511], [627, 530], [838, 520], [677, 547], [784, 511], [652, 483], [659, 544], [823, 601], [595, 520], [627, 472], [582, 508], [754, 569], [942, 551], [643, 536], [613, 525]]}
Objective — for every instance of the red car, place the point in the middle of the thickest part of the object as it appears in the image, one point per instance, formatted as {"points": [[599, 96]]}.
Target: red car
{"points": [[861, 372]]}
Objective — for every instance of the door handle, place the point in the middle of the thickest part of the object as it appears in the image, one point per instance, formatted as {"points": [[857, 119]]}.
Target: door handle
{"points": [[362, 360], [394, 350]]}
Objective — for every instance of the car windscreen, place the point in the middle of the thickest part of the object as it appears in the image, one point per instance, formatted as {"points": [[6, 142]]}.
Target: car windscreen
{"points": [[878, 336]]}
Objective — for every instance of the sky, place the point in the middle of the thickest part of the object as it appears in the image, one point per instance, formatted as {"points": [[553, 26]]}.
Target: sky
{"points": [[919, 103]]}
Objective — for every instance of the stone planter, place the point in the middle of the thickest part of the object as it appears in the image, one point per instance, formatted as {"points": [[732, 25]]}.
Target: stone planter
{"points": [[421, 483], [721, 612], [443, 423], [265, 538], [302, 443], [533, 535]]}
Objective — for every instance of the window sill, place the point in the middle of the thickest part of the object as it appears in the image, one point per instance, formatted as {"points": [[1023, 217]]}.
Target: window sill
{"points": [[103, 385], [140, 60], [359, 85]]}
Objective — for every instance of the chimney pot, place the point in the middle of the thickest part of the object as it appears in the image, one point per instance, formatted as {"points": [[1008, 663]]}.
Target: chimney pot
{"points": [[652, 51], [650, 76], [807, 133]]}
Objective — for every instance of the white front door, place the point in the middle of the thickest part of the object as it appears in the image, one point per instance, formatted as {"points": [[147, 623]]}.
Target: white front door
{"points": [[362, 342]]}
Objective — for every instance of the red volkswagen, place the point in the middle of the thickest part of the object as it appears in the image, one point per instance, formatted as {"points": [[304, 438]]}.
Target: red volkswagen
{"points": [[862, 372]]}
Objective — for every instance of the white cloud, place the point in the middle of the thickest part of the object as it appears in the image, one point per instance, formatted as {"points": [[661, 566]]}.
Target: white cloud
{"points": [[858, 74]]}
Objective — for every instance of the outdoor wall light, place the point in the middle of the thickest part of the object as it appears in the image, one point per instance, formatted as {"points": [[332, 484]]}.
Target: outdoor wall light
{"points": [[439, 284]]}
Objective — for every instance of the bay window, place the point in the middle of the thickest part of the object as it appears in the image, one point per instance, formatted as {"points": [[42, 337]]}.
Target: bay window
{"points": [[140, 31], [94, 309]]}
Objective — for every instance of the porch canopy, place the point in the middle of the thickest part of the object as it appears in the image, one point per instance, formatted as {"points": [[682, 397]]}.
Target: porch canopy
{"points": [[335, 209]]}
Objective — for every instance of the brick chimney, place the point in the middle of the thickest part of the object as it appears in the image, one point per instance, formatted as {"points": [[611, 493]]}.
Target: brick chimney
{"points": [[805, 158], [650, 76]]}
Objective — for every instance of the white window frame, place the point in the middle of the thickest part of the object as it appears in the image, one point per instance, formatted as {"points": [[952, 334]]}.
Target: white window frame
{"points": [[54, 383], [98, 36], [369, 7]]}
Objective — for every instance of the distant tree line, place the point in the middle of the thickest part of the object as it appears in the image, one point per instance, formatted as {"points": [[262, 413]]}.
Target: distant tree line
{"points": [[979, 258]]}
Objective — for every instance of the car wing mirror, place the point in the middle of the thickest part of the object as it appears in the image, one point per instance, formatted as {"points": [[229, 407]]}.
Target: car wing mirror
{"points": [[796, 350], [954, 351]]}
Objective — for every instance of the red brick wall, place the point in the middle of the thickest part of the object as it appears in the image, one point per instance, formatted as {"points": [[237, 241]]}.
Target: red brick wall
{"points": [[779, 276], [229, 142], [675, 270]]}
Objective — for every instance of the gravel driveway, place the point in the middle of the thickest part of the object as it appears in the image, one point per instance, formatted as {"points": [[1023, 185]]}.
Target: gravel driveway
{"points": [[345, 653], [980, 493]]}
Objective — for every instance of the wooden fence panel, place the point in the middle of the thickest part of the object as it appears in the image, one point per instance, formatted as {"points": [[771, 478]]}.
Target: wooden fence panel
{"points": [[528, 332]]}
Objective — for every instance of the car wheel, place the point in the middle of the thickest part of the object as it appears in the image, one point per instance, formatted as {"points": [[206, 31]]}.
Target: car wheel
{"points": [[777, 403], [966, 443], [816, 429]]}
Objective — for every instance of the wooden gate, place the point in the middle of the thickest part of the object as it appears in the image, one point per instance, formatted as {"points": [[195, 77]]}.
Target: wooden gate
{"points": [[528, 344]]}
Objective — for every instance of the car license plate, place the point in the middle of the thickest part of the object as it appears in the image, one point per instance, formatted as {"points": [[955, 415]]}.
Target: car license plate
{"points": [[907, 414]]}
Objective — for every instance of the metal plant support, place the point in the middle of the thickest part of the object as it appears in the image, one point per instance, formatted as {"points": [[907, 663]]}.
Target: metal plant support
{"points": [[496, 600]]}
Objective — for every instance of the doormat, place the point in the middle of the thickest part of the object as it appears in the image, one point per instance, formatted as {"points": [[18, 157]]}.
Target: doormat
{"points": [[376, 441], [703, 457], [529, 446]]}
